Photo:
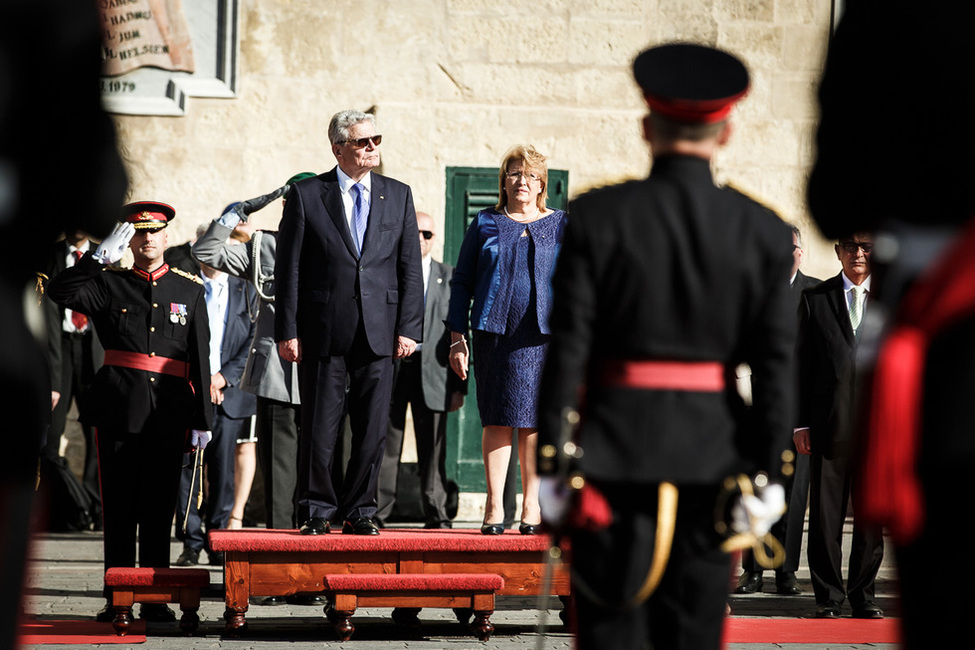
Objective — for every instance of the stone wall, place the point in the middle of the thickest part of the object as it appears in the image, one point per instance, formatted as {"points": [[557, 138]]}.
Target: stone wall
{"points": [[456, 82]]}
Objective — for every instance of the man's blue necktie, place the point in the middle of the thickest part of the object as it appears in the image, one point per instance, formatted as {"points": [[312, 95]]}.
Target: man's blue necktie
{"points": [[359, 216]]}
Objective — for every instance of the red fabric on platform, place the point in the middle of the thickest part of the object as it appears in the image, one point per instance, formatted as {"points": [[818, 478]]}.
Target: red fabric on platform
{"points": [[149, 577], [413, 581], [77, 633], [811, 630], [397, 540]]}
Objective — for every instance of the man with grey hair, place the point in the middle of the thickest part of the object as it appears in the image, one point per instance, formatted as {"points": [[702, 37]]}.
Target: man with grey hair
{"points": [[349, 300]]}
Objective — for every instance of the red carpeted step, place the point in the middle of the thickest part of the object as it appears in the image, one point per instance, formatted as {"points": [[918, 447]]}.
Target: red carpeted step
{"points": [[150, 577], [63, 632], [466, 540], [811, 630]]}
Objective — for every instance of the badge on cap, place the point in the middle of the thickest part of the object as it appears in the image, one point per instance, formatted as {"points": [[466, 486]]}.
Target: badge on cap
{"points": [[148, 215]]}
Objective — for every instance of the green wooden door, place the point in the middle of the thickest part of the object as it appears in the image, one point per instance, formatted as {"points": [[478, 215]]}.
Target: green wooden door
{"points": [[469, 190]]}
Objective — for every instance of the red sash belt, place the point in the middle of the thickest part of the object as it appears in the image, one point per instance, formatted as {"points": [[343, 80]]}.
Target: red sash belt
{"points": [[139, 361], [698, 376]]}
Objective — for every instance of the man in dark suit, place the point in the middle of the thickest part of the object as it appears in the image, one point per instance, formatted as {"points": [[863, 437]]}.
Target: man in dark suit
{"points": [[81, 356], [636, 347], [349, 300], [230, 301], [789, 529], [830, 322], [425, 382]]}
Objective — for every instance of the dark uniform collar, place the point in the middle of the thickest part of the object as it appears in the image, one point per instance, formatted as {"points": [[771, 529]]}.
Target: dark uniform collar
{"points": [[151, 277], [681, 164]]}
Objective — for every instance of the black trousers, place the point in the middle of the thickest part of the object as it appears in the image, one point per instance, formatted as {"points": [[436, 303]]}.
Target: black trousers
{"points": [[830, 486], [430, 428], [77, 371], [277, 453], [220, 467], [324, 379], [687, 610], [139, 480]]}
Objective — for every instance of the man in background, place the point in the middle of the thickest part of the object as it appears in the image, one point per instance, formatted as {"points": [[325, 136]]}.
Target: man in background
{"points": [[831, 318], [425, 382]]}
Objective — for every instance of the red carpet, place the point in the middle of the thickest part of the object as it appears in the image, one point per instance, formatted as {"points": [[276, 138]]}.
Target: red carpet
{"points": [[811, 630], [78, 632]]}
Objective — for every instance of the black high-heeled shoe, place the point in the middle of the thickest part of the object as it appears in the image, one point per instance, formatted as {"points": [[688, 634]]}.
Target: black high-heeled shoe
{"points": [[530, 529], [492, 529]]}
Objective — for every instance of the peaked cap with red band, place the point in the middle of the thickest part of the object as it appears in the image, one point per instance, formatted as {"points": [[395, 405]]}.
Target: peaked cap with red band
{"points": [[148, 215], [689, 83]]}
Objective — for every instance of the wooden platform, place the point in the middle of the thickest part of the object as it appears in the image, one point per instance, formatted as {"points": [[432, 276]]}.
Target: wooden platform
{"points": [[262, 562]]}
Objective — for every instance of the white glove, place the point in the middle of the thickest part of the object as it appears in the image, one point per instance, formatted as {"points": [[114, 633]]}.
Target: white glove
{"points": [[113, 247], [756, 513], [232, 217], [554, 499], [200, 439]]}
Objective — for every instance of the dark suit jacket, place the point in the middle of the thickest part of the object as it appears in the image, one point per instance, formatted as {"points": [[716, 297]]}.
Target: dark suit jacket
{"points": [[321, 280], [671, 268], [439, 381], [54, 265], [237, 336], [825, 353]]}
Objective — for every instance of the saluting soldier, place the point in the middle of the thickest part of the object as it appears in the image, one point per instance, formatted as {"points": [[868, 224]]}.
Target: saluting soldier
{"points": [[150, 400], [663, 287]]}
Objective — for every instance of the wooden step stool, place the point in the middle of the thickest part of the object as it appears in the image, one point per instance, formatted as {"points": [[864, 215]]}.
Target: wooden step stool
{"points": [[132, 585], [412, 591]]}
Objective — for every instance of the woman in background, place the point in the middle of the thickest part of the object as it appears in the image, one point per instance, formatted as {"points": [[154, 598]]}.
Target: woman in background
{"points": [[504, 268]]}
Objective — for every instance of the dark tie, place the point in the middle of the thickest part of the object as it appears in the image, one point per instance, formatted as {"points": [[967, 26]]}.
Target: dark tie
{"points": [[359, 216], [79, 320]]}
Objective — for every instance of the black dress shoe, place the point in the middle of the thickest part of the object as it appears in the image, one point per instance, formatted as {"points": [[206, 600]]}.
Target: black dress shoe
{"points": [[189, 557], [314, 526], [530, 529], [829, 609], [215, 557], [271, 601], [360, 526], [868, 609], [786, 583], [157, 613], [106, 614], [749, 582], [492, 529]]}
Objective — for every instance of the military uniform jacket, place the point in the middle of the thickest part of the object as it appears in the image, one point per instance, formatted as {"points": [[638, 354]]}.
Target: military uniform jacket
{"points": [[134, 312], [266, 373], [671, 268]]}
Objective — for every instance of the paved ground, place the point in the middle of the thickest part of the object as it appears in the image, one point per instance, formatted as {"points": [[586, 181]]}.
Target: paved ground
{"points": [[65, 583]]}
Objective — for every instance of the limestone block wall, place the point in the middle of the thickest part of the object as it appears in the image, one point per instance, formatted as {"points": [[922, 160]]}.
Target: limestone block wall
{"points": [[456, 82]]}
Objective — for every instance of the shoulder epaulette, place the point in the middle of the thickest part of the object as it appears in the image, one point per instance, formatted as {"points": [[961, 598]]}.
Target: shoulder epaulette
{"points": [[188, 276], [113, 267]]}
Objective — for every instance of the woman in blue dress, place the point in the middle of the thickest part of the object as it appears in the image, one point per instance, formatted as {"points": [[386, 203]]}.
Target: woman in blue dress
{"points": [[504, 268]]}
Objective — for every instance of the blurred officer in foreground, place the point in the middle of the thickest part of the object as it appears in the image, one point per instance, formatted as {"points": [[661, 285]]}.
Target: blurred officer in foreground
{"points": [[663, 287], [150, 400], [915, 193]]}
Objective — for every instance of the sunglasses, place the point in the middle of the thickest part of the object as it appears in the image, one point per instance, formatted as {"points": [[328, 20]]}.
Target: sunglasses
{"points": [[852, 246], [427, 234], [364, 142]]}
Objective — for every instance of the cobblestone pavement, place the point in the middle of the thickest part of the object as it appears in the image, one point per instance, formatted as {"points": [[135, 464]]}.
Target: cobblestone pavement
{"points": [[65, 583]]}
